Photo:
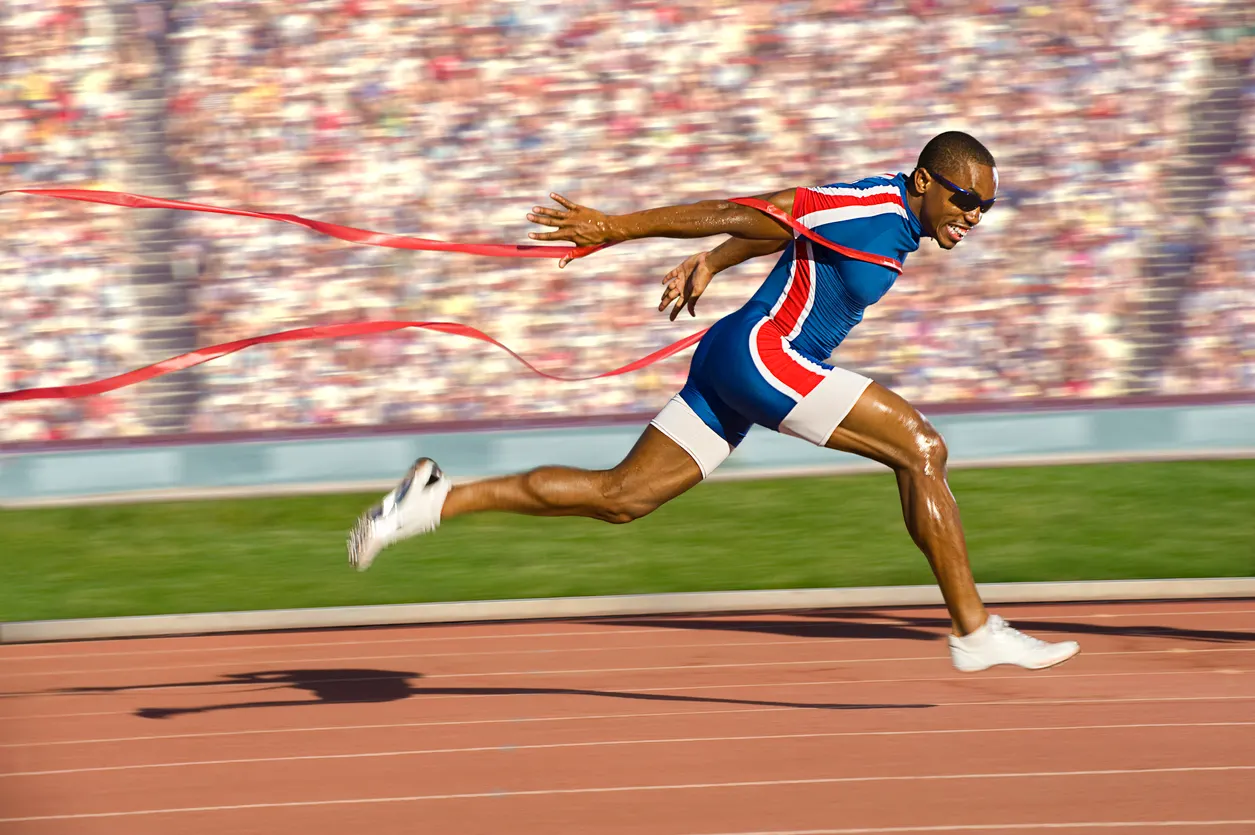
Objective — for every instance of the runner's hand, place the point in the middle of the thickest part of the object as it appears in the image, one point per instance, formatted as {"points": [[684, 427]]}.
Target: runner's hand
{"points": [[578, 224], [685, 285]]}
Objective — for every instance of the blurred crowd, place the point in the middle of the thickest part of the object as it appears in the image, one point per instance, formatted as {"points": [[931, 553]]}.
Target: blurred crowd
{"points": [[66, 310], [1215, 348], [451, 120]]}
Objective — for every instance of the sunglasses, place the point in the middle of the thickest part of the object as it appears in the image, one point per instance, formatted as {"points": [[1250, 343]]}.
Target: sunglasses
{"points": [[965, 199]]}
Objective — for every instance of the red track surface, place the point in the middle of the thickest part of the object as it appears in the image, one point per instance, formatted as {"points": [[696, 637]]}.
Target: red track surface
{"points": [[832, 722]]}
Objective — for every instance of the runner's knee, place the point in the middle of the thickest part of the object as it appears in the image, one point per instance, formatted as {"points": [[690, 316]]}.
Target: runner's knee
{"points": [[928, 453]]}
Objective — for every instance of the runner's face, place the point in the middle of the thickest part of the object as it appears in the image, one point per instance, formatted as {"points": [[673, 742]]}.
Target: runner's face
{"points": [[942, 219]]}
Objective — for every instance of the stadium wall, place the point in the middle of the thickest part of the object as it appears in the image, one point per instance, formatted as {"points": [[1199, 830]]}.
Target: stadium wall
{"points": [[195, 469]]}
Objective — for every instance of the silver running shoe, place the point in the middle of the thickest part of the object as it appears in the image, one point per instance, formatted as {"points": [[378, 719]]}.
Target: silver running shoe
{"points": [[998, 643], [413, 507]]}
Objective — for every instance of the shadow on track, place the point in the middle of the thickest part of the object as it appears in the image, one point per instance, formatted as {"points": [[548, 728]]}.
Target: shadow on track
{"points": [[865, 624], [354, 686]]}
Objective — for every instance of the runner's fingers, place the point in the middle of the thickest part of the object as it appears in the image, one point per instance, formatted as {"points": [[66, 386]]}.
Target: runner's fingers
{"points": [[679, 305], [562, 201], [557, 235], [669, 293], [546, 219]]}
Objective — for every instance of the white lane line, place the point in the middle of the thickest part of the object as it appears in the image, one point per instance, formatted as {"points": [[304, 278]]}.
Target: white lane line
{"points": [[1001, 827], [603, 716], [398, 725], [434, 696], [253, 683], [740, 784], [17, 717], [364, 640], [682, 688], [1079, 614], [417, 752], [804, 642], [695, 667], [607, 630]]}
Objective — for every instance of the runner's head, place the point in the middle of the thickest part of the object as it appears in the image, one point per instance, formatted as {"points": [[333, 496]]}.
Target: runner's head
{"points": [[954, 183]]}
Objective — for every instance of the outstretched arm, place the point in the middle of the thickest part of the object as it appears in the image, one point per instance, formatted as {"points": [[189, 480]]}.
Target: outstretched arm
{"points": [[588, 227], [687, 282]]}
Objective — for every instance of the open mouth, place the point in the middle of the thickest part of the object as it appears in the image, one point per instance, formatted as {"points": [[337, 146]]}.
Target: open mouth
{"points": [[956, 232]]}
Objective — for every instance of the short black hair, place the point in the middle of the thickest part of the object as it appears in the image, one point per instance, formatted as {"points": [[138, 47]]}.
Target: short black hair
{"points": [[950, 151]]}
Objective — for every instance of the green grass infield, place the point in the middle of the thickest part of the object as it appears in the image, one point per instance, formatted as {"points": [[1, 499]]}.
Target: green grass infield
{"points": [[1119, 521]]}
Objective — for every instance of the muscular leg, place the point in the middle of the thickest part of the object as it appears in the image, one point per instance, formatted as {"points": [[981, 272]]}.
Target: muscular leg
{"points": [[654, 472], [885, 428]]}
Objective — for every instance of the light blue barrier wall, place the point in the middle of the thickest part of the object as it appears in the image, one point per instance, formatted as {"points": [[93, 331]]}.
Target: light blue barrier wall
{"points": [[979, 437]]}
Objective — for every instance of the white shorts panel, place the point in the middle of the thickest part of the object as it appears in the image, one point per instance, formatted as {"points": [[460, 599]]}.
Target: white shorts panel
{"points": [[681, 424], [820, 412]]}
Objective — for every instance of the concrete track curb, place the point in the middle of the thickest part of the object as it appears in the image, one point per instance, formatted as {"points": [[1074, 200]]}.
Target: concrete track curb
{"points": [[611, 606]]}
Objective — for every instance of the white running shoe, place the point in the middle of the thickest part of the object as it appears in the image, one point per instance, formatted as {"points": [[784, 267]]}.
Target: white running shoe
{"points": [[997, 643], [413, 507]]}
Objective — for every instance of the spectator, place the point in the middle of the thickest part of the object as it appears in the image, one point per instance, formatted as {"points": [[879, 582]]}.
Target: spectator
{"points": [[449, 120]]}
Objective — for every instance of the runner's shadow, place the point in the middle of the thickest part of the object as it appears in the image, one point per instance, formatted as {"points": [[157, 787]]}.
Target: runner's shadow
{"points": [[350, 686]]}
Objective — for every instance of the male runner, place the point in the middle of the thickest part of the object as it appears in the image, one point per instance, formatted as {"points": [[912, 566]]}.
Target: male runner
{"points": [[766, 364]]}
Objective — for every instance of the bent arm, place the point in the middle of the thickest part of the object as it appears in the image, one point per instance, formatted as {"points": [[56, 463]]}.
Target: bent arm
{"points": [[738, 250], [687, 282]]}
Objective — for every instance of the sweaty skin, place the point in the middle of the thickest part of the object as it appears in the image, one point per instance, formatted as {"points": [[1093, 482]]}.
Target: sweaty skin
{"points": [[882, 426], [582, 225], [930, 200]]}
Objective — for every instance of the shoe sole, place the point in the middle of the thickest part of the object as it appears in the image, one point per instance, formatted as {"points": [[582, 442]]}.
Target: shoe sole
{"points": [[359, 542], [1021, 666]]}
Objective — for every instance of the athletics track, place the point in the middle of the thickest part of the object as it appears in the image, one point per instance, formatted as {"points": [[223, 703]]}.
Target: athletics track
{"points": [[840, 721]]}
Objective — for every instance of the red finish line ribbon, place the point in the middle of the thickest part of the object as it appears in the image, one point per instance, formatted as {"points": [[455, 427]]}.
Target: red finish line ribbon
{"points": [[340, 331], [351, 329], [334, 230]]}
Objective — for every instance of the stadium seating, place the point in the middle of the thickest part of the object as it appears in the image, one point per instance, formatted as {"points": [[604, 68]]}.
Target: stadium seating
{"points": [[450, 120]]}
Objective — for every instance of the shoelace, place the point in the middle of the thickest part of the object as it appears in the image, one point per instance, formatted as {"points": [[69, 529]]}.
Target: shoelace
{"points": [[997, 624]]}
